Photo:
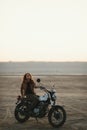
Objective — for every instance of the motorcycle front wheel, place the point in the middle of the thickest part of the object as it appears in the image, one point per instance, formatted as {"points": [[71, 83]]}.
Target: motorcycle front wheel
{"points": [[57, 116], [21, 113]]}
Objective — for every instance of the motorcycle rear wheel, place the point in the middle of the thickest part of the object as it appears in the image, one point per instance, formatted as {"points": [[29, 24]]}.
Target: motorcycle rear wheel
{"points": [[21, 113]]}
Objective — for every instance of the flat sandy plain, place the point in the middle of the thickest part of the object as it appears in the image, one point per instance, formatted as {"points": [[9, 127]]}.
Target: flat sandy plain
{"points": [[71, 92]]}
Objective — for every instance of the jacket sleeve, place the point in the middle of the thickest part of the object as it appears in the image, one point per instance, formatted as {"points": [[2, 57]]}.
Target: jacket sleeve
{"points": [[33, 86], [23, 89]]}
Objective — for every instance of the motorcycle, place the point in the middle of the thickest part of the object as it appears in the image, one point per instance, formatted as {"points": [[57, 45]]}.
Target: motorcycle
{"points": [[46, 107]]}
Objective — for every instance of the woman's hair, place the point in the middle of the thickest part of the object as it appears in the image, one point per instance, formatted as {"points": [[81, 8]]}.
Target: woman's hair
{"points": [[25, 81], [24, 78]]}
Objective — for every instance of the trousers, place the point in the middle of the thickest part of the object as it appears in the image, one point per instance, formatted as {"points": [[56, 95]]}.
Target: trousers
{"points": [[34, 100]]}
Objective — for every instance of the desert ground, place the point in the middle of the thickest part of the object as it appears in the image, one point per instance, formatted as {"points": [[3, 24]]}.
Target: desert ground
{"points": [[71, 93]]}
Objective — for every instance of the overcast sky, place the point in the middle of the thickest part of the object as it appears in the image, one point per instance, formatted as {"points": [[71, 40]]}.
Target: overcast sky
{"points": [[43, 30]]}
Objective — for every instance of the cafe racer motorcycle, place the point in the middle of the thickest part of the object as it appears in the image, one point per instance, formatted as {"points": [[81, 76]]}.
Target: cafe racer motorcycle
{"points": [[46, 107]]}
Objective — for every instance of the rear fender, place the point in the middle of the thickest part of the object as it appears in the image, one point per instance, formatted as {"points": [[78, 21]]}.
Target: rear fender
{"points": [[18, 102], [22, 100]]}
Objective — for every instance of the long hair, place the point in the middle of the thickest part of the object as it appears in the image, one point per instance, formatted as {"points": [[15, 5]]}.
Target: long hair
{"points": [[25, 81], [24, 78]]}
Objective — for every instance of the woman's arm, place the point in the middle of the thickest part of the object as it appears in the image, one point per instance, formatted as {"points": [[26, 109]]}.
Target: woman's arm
{"points": [[37, 86], [23, 89]]}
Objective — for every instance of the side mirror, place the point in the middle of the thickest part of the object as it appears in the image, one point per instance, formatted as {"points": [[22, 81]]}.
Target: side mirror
{"points": [[38, 80]]}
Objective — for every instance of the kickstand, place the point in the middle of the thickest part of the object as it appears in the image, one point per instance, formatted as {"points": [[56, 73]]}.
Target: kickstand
{"points": [[36, 119]]}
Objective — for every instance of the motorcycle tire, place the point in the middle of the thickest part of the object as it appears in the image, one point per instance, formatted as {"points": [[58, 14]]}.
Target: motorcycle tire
{"points": [[55, 112], [19, 115]]}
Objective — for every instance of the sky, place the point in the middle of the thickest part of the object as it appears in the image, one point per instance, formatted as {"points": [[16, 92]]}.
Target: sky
{"points": [[43, 30]]}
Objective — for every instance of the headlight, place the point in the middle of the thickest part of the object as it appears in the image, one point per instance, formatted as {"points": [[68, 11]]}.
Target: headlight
{"points": [[54, 97], [53, 90]]}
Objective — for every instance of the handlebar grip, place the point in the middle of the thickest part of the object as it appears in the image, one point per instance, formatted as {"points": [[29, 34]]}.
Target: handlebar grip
{"points": [[41, 87]]}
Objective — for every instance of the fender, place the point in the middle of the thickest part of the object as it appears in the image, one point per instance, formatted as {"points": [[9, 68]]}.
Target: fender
{"points": [[54, 107], [57, 106], [22, 100]]}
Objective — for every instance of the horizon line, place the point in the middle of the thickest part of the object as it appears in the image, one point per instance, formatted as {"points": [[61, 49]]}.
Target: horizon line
{"points": [[38, 61]]}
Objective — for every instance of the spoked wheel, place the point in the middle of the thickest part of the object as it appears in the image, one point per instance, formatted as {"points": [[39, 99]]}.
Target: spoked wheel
{"points": [[57, 116], [21, 113]]}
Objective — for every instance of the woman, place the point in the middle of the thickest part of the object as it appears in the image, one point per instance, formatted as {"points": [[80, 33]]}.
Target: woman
{"points": [[27, 89]]}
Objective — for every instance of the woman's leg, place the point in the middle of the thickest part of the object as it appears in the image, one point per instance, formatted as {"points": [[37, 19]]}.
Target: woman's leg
{"points": [[34, 100]]}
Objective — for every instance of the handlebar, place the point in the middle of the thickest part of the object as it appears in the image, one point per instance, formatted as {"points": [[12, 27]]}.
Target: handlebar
{"points": [[43, 88], [46, 90]]}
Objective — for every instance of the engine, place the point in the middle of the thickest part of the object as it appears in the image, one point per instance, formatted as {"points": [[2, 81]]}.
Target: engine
{"points": [[41, 110]]}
